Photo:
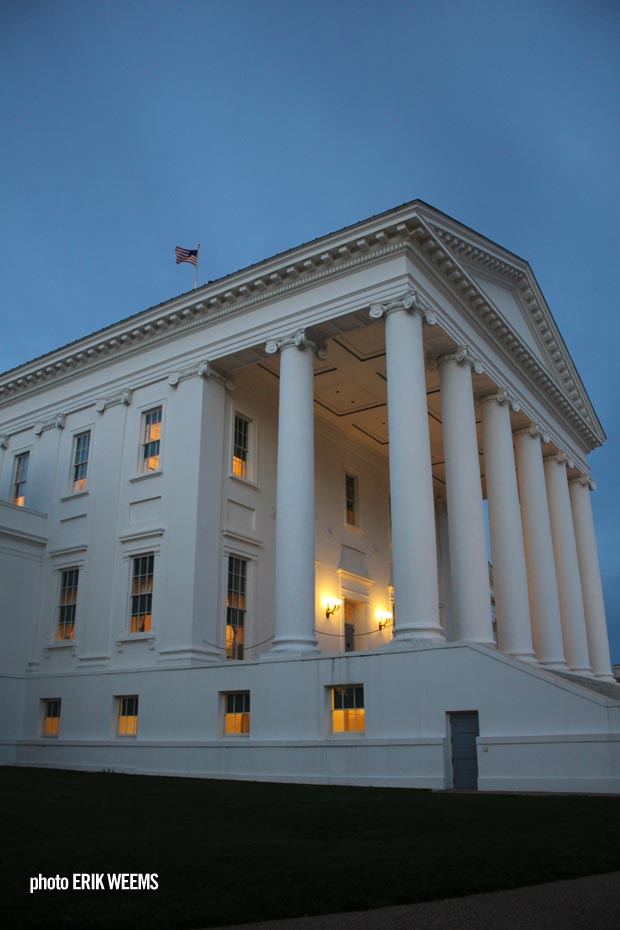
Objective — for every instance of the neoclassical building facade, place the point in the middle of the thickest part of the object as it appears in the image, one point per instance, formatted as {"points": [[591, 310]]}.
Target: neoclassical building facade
{"points": [[248, 533]]}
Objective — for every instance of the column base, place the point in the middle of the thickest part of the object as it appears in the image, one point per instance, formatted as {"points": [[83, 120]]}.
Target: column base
{"points": [[528, 657], [425, 633], [292, 649], [608, 678], [582, 672], [554, 665]]}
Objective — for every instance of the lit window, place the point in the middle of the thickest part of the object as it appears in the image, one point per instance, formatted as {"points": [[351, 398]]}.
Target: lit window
{"points": [[68, 603], [235, 607], [241, 447], [128, 716], [81, 449], [142, 593], [151, 438], [237, 714], [350, 487], [20, 479], [51, 720], [348, 709]]}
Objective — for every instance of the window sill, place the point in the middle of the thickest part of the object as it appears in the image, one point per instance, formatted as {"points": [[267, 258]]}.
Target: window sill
{"points": [[62, 644], [145, 475], [148, 638], [245, 481], [72, 495], [354, 529]]}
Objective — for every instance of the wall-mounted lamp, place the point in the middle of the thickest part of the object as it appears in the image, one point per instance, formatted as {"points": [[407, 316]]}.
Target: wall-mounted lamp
{"points": [[384, 619], [332, 604]]}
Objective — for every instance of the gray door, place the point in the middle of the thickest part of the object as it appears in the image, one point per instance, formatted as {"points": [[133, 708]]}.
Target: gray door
{"points": [[463, 731]]}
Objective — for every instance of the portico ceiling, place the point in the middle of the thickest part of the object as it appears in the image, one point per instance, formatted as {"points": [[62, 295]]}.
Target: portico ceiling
{"points": [[350, 386]]}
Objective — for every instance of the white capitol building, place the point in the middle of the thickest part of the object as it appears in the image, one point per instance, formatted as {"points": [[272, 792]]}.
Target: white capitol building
{"points": [[242, 533]]}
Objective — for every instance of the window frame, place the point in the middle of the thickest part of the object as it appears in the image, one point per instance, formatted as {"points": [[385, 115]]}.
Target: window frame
{"points": [[46, 704], [240, 728], [356, 522], [250, 475], [244, 560], [133, 559], [75, 465], [346, 731], [146, 441], [121, 704], [18, 457], [60, 622]]}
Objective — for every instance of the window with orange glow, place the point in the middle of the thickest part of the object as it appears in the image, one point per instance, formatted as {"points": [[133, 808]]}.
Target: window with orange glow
{"points": [[142, 593], [151, 439], [236, 607], [68, 603], [20, 478], [241, 447], [81, 451], [128, 715], [348, 709], [237, 713], [51, 720]]}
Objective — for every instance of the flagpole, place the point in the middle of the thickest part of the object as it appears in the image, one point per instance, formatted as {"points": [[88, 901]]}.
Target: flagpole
{"points": [[196, 266]]}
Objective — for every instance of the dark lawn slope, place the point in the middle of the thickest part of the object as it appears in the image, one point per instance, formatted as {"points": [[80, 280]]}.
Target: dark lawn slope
{"points": [[228, 852]]}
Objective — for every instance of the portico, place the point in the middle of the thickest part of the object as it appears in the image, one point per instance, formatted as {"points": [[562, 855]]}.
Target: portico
{"points": [[448, 431]]}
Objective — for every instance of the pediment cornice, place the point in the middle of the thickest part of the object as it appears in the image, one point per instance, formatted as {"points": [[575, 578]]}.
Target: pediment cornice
{"points": [[411, 229]]}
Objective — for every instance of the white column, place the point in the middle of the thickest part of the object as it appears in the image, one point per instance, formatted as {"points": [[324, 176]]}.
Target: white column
{"points": [[541, 577], [514, 632], [414, 553], [567, 567], [590, 575], [471, 598], [295, 550]]}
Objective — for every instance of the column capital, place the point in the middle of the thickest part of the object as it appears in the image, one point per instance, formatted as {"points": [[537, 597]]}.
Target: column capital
{"points": [[586, 481], [207, 370], [535, 431], [560, 457], [461, 355], [300, 340], [410, 300], [500, 397]]}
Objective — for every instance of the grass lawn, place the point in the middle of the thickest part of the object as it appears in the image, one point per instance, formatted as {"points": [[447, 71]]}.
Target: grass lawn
{"points": [[227, 852]]}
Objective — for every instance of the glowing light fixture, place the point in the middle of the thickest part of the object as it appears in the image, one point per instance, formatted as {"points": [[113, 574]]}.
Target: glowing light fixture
{"points": [[331, 604], [384, 619]]}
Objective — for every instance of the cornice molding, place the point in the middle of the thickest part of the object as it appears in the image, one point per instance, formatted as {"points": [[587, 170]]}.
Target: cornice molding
{"points": [[439, 256], [519, 276], [411, 229]]}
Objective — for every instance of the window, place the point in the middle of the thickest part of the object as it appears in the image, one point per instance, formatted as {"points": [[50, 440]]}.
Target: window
{"points": [[81, 448], [20, 478], [348, 709], [142, 593], [235, 607], [127, 715], [237, 714], [51, 719], [241, 447], [351, 499], [68, 603], [151, 438]]}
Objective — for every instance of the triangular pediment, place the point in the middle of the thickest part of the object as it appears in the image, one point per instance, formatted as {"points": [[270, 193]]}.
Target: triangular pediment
{"points": [[508, 302], [505, 282]]}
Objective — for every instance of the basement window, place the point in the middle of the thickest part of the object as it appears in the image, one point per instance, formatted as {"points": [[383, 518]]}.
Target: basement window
{"points": [[237, 713], [51, 718], [347, 709]]}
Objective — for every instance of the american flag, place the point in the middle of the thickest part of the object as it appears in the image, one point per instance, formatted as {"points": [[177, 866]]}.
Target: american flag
{"points": [[186, 255]]}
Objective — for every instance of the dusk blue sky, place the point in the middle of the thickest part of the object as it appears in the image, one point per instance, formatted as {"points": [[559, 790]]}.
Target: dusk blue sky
{"points": [[255, 125]]}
